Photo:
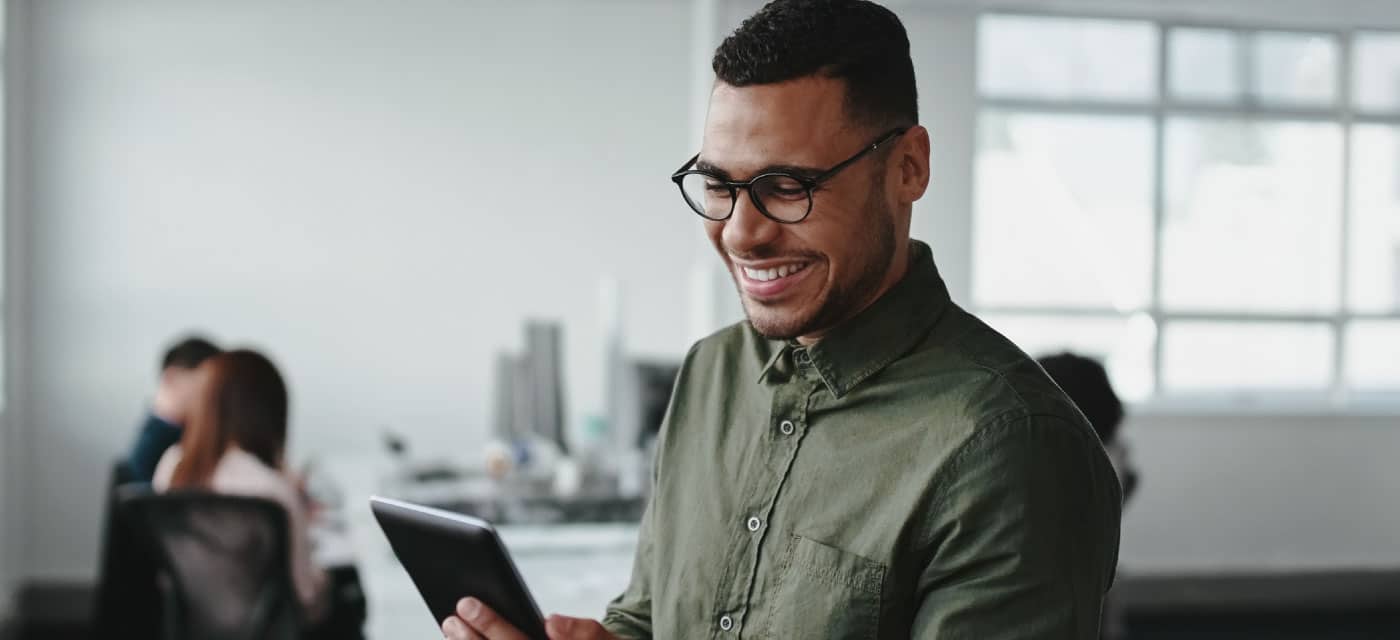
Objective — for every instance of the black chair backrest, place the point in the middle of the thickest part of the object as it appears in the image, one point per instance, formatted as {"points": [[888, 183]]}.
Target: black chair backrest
{"points": [[225, 560], [127, 603]]}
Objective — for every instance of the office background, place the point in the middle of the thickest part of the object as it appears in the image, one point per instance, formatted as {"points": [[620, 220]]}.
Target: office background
{"points": [[379, 194]]}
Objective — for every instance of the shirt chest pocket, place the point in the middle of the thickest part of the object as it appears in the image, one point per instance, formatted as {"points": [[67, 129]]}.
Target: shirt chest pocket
{"points": [[825, 592]]}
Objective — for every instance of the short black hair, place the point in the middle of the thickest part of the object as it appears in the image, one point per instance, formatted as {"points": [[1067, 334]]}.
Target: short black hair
{"points": [[858, 42], [1085, 381], [188, 353]]}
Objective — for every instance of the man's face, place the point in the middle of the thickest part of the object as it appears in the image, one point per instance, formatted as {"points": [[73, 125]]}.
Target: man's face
{"points": [[180, 388], [799, 280]]}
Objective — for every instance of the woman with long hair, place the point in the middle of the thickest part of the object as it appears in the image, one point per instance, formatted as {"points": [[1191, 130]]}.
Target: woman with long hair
{"points": [[234, 444]]}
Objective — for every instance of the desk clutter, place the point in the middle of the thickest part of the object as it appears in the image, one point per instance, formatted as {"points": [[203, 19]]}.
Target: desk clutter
{"points": [[530, 471]]}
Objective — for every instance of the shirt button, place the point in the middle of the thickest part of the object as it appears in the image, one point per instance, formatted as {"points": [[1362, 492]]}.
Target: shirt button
{"points": [[726, 623], [787, 427], [755, 523], [801, 357]]}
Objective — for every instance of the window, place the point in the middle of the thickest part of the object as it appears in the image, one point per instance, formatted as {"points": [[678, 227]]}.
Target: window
{"points": [[1252, 216], [1213, 210], [1063, 59], [1039, 192]]}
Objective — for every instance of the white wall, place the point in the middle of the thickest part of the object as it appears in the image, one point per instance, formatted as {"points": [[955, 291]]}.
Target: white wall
{"points": [[1251, 492], [14, 302], [378, 197]]}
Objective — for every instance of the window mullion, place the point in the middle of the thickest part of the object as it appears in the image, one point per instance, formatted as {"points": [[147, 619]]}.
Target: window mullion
{"points": [[1244, 67], [1159, 203], [1347, 109]]}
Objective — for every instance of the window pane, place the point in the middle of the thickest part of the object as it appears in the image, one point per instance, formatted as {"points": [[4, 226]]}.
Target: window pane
{"points": [[1374, 249], [1224, 356], [1376, 81], [1035, 57], [1205, 65], [1295, 68], [1252, 217], [1063, 211], [1123, 343], [1373, 355]]}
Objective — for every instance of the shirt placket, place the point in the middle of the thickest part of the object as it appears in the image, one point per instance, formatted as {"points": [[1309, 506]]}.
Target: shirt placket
{"points": [[783, 433]]}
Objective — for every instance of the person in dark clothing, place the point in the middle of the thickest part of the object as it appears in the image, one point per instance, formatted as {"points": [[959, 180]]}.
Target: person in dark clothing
{"points": [[1086, 383], [176, 391]]}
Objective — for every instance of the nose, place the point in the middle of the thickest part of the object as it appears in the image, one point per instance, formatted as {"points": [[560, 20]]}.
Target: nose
{"points": [[747, 228]]}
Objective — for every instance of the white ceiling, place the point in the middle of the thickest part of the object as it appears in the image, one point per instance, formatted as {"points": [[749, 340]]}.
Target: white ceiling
{"points": [[1316, 13]]}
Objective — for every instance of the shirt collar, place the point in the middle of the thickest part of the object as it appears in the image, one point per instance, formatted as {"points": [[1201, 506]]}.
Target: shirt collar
{"points": [[877, 336]]}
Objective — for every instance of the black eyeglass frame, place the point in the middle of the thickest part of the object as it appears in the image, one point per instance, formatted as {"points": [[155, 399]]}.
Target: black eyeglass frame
{"points": [[810, 184]]}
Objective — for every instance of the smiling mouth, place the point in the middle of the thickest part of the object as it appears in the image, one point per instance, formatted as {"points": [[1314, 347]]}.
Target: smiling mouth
{"points": [[775, 273], [772, 284]]}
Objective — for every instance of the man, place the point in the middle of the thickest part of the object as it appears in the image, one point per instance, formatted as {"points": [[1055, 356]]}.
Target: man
{"points": [[175, 393], [861, 458]]}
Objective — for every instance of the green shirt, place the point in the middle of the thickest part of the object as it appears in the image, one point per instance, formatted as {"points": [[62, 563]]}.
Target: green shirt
{"points": [[912, 474]]}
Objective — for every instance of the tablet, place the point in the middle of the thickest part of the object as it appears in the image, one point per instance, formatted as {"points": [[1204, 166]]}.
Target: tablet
{"points": [[450, 556]]}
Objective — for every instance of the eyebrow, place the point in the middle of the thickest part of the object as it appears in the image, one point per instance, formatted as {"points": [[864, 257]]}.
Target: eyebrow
{"points": [[796, 170]]}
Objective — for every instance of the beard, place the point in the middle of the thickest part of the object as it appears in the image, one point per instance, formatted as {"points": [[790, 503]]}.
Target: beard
{"points": [[869, 262]]}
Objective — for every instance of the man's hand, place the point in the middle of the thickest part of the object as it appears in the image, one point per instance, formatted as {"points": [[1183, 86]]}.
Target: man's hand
{"points": [[476, 621]]}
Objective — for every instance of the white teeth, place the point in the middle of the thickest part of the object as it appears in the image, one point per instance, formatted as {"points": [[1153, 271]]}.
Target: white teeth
{"points": [[761, 275], [765, 275]]}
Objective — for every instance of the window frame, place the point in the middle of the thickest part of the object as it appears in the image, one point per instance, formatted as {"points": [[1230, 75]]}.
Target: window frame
{"points": [[1247, 108]]}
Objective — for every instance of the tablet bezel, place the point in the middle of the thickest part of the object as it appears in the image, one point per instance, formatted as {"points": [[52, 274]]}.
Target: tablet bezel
{"points": [[408, 514]]}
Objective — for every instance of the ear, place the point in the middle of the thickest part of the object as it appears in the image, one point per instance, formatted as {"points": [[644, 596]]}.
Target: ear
{"points": [[911, 162]]}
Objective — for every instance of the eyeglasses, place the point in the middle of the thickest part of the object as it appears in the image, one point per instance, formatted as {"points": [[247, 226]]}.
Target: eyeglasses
{"points": [[780, 196]]}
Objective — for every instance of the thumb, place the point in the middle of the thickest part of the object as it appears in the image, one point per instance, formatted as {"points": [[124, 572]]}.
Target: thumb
{"points": [[566, 628]]}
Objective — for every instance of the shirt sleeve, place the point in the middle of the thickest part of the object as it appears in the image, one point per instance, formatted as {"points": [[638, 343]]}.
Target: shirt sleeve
{"points": [[155, 437], [1023, 537], [165, 470], [629, 615]]}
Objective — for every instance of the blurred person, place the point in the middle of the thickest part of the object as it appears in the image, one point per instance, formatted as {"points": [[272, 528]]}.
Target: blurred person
{"points": [[235, 444], [1086, 382], [170, 407], [861, 457]]}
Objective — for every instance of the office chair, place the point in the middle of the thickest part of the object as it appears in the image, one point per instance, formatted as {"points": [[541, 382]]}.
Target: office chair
{"points": [[223, 562], [127, 602]]}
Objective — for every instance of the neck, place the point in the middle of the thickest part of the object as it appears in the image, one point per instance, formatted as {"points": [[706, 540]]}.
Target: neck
{"points": [[899, 266]]}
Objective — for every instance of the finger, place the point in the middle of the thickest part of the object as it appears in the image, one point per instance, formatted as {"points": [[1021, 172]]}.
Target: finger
{"points": [[454, 629], [485, 621], [565, 628]]}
